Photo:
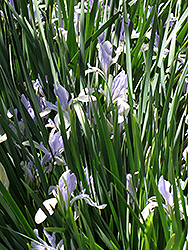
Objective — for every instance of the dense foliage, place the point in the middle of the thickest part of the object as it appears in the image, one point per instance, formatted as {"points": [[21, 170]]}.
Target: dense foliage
{"points": [[93, 124]]}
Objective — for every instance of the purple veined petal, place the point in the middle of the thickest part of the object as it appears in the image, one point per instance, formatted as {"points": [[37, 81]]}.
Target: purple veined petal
{"points": [[60, 245], [164, 188], [51, 238], [101, 37], [156, 43], [56, 141], [27, 105], [50, 124], [172, 21], [34, 12], [90, 107], [43, 149], [51, 106], [42, 105], [105, 55], [47, 157], [63, 96], [119, 86], [67, 181], [91, 4], [88, 200], [121, 37], [65, 195], [37, 86], [42, 244]]}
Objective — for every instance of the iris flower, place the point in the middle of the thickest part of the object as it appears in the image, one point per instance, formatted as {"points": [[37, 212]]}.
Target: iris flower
{"points": [[105, 55], [65, 189], [57, 147], [119, 95], [63, 97], [166, 190], [43, 245]]}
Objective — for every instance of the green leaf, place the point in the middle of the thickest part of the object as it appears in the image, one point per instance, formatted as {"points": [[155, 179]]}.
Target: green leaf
{"points": [[17, 211], [170, 243]]}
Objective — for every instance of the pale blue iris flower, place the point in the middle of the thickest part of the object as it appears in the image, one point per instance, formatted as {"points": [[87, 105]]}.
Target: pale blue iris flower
{"points": [[67, 184], [40, 97], [65, 189], [105, 56], [57, 147], [166, 191], [55, 138], [120, 87], [42, 245], [119, 95], [63, 97]]}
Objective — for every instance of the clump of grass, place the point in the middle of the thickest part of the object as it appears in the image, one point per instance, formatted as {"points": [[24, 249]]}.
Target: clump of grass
{"points": [[93, 124]]}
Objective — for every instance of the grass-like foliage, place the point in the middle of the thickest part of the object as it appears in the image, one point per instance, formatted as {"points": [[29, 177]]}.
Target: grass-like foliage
{"points": [[93, 124]]}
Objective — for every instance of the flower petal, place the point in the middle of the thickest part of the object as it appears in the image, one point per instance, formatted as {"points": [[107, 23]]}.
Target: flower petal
{"points": [[67, 184], [88, 200], [40, 216], [119, 86], [63, 95], [105, 55], [164, 187], [69, 180], [148, 209]]}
